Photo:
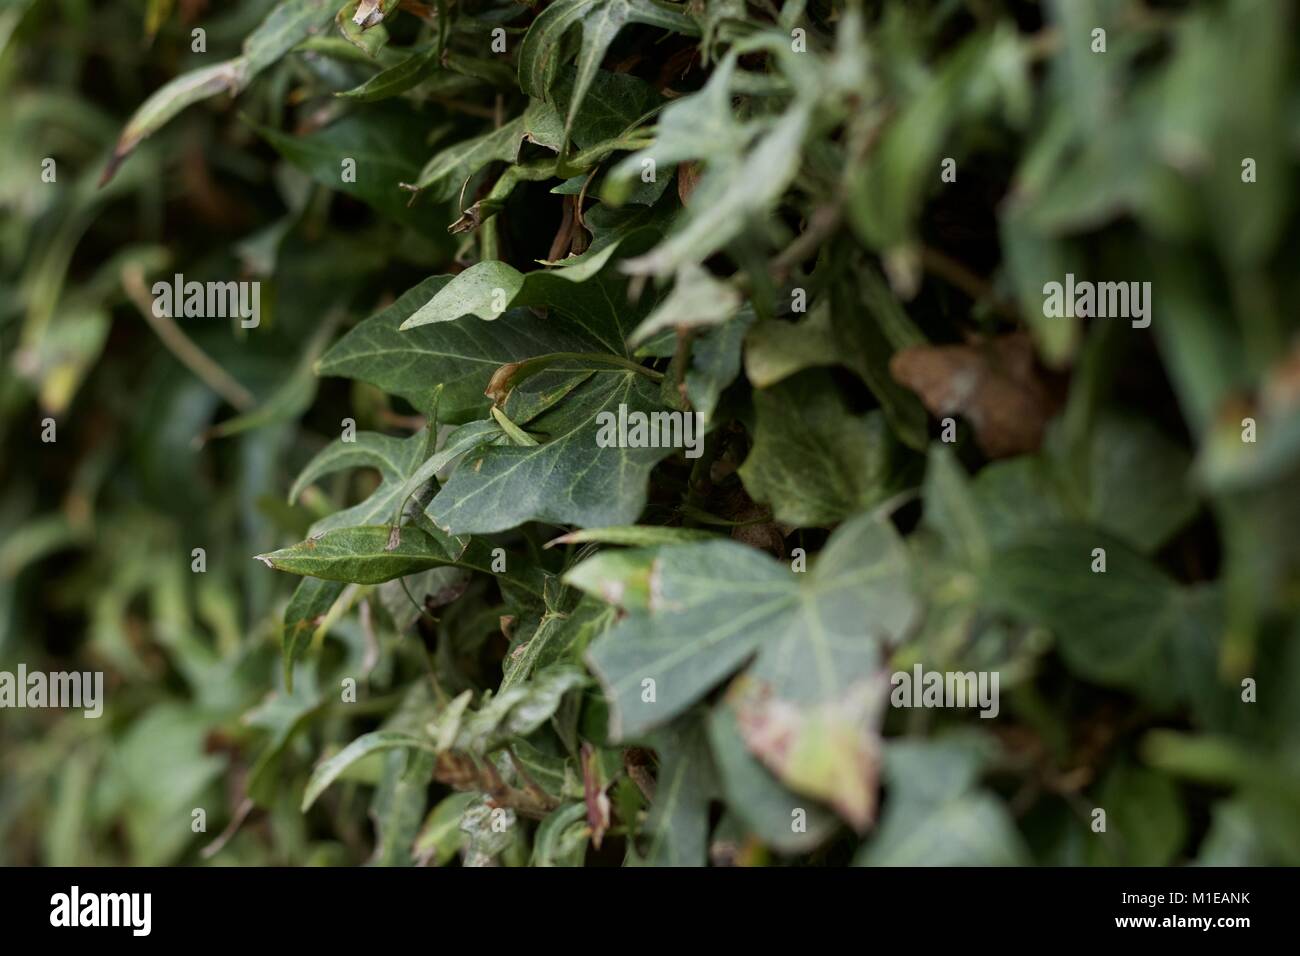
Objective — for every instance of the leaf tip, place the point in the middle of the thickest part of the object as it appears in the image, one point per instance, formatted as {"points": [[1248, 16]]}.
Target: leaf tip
{"points": [[111, 167]]}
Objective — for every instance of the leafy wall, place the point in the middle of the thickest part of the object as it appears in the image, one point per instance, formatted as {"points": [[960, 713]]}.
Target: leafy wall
{"points": [[495, 632]]}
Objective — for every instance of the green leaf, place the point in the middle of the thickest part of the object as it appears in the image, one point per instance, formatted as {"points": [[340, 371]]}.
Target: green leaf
{"points": [[519, 710], [1114, 627], [715, 363], [732, 197], [461, 357], [1128, 458], [471, 293], [813, 461], [776, 349], [328, 771], [935, 814], [398, 805], [835, 332], [614, 104], [287, 25], [366, 555], [397, 79], [441, 837], [697, 299], [593, 302], [562, 837], [384, 142], [621, 578], [396, 460], [283, 29], [448, 171], [634, 536], [600, 22], [1146, 824], [560, 638], [712, 605], [172, 98], [311, 601], [700, 125], [569, 478], [678, 823]]}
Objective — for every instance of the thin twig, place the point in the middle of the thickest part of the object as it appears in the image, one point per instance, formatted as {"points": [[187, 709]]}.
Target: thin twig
{"points": [[182, 346], [975, 286]]}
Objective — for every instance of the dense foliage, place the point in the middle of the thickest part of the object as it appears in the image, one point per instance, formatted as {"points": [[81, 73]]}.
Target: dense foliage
{"points": [[488, 635]]}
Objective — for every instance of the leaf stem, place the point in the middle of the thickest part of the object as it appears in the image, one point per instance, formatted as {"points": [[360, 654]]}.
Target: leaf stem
{"points": [[183, 347]]}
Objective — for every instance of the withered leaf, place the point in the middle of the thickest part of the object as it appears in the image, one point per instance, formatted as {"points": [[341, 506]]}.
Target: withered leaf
{"points": [[995, 384]]}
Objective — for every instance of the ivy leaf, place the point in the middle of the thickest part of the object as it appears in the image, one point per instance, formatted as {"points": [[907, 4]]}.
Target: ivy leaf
{"points": [[562, 837], [396, 459], [678, 823], [311, 601], [447, 172], [397, 79], [701, 125], [712, 605], [398, 805], [366, 555], [732, 197], [619, 577], [1146, 823], [1127, 458], [460, 357], [715, 362], [591, 301], [518, 710], [569, 478], [283, 29], [776, 349], [402, 469], [174, 97], [758, 798], [560, 638], [441, 837], [835, 332], [613, 104], [385, 141], [287, 25], [814, 461], [936, 815], [697, 299], [1116, 627], [328, 771], [600, 22]]}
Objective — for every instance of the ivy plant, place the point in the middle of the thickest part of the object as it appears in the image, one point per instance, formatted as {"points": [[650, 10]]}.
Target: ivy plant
{"points": [[658, 388]]}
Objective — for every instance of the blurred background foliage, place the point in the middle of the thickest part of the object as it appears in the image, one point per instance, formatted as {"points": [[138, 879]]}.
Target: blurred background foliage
{"points": [[1125, 165]]}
